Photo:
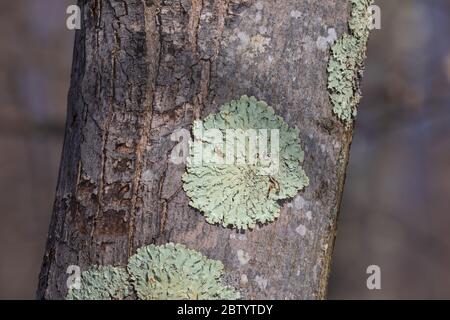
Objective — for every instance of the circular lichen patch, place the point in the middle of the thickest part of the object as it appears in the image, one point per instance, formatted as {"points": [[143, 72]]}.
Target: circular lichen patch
{"points": [[175, 272], [242, 193]]}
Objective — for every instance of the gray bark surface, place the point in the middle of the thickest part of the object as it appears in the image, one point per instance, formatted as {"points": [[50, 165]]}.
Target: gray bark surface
{"points": [[144, 69]]}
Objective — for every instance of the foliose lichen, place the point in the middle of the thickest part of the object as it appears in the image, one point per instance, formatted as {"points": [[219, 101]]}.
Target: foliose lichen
{"points": [[171, 271], [237, 194], [174, 272], [346, 63], [101, 283]]}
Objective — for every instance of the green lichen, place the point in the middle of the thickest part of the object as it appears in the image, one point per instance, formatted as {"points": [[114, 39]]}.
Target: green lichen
{"points": [[346, 63], [243, 194], [170, 271], [101, 283], [174, 272]]}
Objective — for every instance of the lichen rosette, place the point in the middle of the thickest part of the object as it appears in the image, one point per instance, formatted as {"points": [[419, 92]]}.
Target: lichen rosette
{"points": [[174, 272], [236, 194]]}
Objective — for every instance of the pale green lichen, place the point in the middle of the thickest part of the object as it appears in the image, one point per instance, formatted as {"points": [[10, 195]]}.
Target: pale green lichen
{"points": [[101, 283], [174, 272], [241, 195], [346, 63], [170, 271]]}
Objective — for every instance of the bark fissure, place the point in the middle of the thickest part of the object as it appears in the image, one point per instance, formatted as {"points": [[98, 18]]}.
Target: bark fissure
{"points": [[153, 36]]}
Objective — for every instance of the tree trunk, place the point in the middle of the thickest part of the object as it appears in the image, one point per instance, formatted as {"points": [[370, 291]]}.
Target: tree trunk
{"points": [[143, 69]]}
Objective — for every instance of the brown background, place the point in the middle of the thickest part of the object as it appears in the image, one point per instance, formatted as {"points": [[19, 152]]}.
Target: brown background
{"points": [[395, 211]]}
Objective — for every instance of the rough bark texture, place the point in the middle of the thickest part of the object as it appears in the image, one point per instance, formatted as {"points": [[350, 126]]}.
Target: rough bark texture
{"points": [[143, 69]]}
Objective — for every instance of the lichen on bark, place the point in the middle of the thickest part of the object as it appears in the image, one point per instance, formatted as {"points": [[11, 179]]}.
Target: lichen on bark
{"points": [[242, 194], [167, 272], [138, 76], [101, 283], [175, 272], [346, 63]]}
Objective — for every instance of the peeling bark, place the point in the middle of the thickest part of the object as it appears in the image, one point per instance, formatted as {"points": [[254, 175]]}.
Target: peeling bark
{"points": [[143, 69]]}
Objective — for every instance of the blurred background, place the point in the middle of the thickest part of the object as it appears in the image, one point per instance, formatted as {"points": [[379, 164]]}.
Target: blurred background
{"points": [[396, 206]]}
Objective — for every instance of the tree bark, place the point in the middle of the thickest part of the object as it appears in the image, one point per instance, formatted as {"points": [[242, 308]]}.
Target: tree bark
{"points": [[143, 69]]}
